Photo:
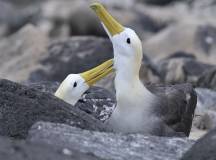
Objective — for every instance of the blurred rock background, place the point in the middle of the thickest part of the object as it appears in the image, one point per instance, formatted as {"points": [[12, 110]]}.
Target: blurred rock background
{"points": [[45, 40]]}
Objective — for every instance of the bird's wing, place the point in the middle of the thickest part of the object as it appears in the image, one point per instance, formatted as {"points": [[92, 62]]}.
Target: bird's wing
{"points": [[176, 105], [98, 102]]}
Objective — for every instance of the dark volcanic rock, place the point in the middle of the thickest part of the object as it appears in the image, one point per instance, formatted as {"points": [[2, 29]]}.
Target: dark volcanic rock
{"points": [[21, 107], [45, 86], [109, 145], [15, 18], [177, 105], [21, 150], [160, 2], [206, 38], [17, 61], [208, 79], [203, 149], [206, 109], [182, 67], [75, 55]]}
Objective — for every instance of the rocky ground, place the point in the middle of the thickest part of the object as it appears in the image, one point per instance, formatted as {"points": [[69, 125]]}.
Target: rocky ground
{"points": [[43, 41]]}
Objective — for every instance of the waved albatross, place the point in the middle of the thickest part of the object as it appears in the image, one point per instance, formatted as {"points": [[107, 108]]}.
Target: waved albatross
{"points": [[158, 110], [75, 90]]}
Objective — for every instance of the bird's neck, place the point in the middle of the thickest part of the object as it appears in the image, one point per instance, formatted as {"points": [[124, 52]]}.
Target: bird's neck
{"points": [[127, 83]]}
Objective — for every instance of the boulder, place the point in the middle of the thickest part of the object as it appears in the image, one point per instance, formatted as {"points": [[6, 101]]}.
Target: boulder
{"points": [[74, 55], [21, 107], [181, 67], [196, 38], [176, 107], [109, 145], [205, 113], [207, 79], [88, 23], [160, 2], [22, 150], [20, 53], [203, 149], [14, 18]]}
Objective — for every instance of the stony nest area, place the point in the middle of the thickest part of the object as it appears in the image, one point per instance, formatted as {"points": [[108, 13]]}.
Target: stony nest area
{"points": [[42, 41]]}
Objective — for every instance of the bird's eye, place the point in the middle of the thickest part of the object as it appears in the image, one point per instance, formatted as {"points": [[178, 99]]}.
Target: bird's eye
{"points": [[128, 40], [75, 84]]}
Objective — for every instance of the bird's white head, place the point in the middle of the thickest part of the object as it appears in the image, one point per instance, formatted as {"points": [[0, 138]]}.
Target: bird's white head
{"points": [[74, 85], [72, 88], [126, 44]]}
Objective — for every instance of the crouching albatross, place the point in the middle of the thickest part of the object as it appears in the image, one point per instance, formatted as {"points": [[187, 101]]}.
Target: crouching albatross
{"points": [[159, 110], [75, 90]]}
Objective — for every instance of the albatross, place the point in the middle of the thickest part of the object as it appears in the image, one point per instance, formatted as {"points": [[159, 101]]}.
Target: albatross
{"points": [[154, 109], [75, 90]]}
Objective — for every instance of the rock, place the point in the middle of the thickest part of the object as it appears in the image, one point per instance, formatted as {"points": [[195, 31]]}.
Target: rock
{"points": [[80, 53], [206, 121], [160, 2], [21, 107], [21, 150], [88, 24], [206, 99], [181, 67], [208, 79], [97, 102], [205, 113], [109, 145], [176, 108], [21, 52], [15, 18], [192, 37], [203, 149], [45, 86]]}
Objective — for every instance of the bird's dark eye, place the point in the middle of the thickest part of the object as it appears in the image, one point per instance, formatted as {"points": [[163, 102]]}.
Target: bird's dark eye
{"points": [[128, 40], [75, 84]]}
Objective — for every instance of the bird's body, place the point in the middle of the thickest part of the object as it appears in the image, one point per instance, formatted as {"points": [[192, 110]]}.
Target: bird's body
{"points": [[138, 109]]}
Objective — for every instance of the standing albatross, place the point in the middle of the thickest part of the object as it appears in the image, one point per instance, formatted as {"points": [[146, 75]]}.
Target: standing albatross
{"points": [[96, 101], [159, 110]]}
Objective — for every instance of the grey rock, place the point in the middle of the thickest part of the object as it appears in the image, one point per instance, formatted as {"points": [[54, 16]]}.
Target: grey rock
{"points": [[182, 67], [109, 145], [21, 107], [74, 55], [88, 24], [45, 86], [205, 113], [177, 106], [15, 18], [192, 36], [208, 79], [21, 150], [206, 121], [206, 99], [203, 149], [160, 2], [97, 102], [21, 52]]}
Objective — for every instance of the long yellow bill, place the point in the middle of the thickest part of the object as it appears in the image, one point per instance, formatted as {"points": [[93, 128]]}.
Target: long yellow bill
{"points": [[97, 73], [110, 23]]}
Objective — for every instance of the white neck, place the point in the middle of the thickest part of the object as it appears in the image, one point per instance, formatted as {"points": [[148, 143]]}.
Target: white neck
{"points": [[134, 100]]}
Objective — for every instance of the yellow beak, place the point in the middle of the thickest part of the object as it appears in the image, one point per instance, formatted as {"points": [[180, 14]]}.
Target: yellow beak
{"points": [[110, 23], [97, 73]]}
